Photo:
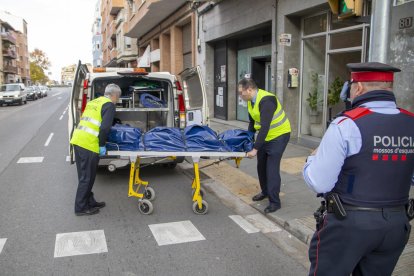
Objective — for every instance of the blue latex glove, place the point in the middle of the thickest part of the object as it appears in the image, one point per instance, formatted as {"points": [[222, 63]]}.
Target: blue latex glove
{"points": [[102, 151]]}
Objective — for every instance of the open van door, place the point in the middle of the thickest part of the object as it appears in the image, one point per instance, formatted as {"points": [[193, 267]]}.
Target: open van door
{"points": [[194, 96], [78, 99]]}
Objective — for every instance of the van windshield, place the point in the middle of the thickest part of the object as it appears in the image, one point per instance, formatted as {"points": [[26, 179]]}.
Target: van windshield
{"points": [[10, 87]]}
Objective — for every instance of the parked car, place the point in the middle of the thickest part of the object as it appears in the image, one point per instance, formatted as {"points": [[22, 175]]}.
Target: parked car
{"points": [[180, 107], [38, 91], [31, 93], [44, 90], [13, 93]]}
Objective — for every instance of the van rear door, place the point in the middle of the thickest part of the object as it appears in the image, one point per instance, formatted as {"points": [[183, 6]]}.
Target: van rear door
{"points": [[75, 104], [194, 96]]}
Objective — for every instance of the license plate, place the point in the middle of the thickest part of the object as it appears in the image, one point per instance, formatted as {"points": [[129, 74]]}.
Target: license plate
{"points": [[8, 101]]}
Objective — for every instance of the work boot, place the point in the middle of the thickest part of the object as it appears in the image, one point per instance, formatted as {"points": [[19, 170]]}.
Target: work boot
{"points": [[99, 205], [88, 212], [271, 208]]}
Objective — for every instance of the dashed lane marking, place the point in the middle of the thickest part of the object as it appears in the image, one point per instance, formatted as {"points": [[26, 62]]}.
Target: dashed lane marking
{"points": [[59, 98], [49, 139], [31, 160], [261, 222], [175, 232], [54, 95], [60, 118], [67, 158], [244, 224], [80, 243], [2, 243]]}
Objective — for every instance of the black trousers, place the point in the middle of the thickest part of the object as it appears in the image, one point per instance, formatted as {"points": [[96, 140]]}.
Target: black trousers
{"points": [[86, 164], [268, 167], [364, 243]]}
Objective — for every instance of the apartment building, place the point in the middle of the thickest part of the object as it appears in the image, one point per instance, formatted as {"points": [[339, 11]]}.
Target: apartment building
{"points": [[165, 33], [8, 63], [17, 55], [119, 49], [97, 36]]}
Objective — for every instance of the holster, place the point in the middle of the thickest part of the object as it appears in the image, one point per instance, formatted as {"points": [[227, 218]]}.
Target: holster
{"points": [[319, 215], [410, 209], [334, 205]]}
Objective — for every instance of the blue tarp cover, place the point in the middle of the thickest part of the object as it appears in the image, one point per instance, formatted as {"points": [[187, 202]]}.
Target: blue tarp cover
{"points": [[164, 139], [238, 140], [203, 138], [124, 137]]}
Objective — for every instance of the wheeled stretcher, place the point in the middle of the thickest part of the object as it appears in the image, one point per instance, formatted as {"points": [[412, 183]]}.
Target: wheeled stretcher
{"points": [[145, 194]]}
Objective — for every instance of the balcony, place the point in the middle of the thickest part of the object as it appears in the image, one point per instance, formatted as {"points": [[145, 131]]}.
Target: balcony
{"points": [[113, 54], [8, 36], [151, 13], [112, 29], [119, 19], [9, 54], [10, 69], [115, 6]]}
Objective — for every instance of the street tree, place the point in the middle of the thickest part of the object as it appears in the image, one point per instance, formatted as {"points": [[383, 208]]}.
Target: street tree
{"points": [[39, 62]]}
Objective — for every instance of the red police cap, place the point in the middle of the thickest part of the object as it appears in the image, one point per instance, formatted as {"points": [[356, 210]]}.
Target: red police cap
{"points": [[372, 71]]}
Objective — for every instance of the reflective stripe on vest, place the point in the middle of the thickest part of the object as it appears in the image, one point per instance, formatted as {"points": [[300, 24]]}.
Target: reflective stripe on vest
{"points": [[280, 123], [93, 121], [86, 135]]}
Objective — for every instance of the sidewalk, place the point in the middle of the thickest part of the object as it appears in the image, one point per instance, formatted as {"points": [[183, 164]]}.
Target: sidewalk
{"points": [[298, 201]]}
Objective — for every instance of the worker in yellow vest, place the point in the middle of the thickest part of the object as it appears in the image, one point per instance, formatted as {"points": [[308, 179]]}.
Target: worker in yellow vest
{"points": [[268, 118], [89, 140]]}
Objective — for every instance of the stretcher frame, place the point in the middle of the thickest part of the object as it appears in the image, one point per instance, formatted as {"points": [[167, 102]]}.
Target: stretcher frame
{"points": [[136, 184]]}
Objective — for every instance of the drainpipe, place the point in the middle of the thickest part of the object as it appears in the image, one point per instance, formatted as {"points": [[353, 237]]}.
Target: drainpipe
{"points": [[274, 64], [380, 22]]}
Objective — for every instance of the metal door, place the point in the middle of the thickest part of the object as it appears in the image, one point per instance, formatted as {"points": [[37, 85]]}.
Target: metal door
{"points": [[220, 80]]}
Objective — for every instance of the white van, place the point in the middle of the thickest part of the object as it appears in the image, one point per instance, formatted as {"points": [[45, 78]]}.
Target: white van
{"points": [[13, 93], [184, 102]]}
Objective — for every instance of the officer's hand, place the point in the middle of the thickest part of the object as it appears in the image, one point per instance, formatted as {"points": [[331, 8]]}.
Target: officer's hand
{"points": [[102, 151], [252, 153]]}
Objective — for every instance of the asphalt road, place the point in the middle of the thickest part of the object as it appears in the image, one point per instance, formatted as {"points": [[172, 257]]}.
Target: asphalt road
{"points": [[37, 214]]}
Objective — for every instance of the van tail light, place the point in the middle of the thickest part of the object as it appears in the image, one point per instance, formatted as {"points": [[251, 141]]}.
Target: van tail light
{"points": [[84, 95], [181, 105]]}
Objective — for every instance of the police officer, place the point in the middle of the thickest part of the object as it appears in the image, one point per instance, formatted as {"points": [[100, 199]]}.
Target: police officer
{"points": [[89, 140], [366, 158], [266, 116]]}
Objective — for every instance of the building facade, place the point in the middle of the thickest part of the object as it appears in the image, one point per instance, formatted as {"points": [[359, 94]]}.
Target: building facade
{"points": [[165, 34], [16, 56], [97, 37], [9, 54], [299, 51]]}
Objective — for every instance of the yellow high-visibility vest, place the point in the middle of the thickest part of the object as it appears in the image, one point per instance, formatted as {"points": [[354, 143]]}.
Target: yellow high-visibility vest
{"points": [[280, 123], [86, 135]]}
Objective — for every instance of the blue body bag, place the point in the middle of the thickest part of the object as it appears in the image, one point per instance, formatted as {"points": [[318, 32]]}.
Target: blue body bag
{"points": [[164, 139], [150, 101], [203, 138], [124, 137], [238, 140]]}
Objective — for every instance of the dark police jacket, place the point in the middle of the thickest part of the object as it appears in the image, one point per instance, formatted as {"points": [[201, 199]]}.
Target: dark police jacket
{"points": [[379, 175]]}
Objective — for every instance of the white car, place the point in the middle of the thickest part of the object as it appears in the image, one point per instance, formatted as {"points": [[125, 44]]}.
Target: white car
{"points": [[44, 90], [183, 103], [13, 93]]}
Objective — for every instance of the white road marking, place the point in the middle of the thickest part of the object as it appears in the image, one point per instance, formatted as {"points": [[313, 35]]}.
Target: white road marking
{"points": [[59, 98], [31, 160], [247, 226], [2, 243], [65, 111], [264, 224], [68, 158], [56, 94], [80, 243], [49, 139], [175, 232], [60, 118]]}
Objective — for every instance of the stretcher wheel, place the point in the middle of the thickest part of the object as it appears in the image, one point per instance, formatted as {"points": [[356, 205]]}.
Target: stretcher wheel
{"points": [[201, 192], [203, 210], [149, 193], [111, 168], [145, 207]]}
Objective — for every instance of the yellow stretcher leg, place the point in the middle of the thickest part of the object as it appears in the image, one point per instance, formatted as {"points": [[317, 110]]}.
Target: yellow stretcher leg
{"points": [[134, 179], [237, 160], [199, 205]]}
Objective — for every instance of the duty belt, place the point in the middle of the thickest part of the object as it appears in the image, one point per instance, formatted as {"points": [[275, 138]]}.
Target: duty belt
{"points": [[373, 209]]}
